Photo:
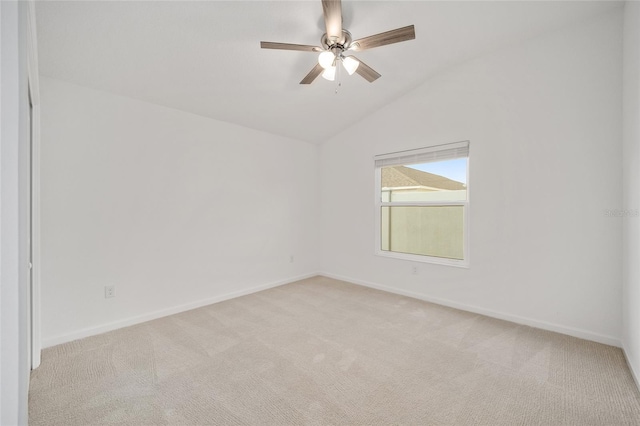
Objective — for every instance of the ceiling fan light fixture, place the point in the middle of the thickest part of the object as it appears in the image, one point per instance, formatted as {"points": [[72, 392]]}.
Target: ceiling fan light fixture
{"points": [[329, 74], [326, 59], [350, 64]]}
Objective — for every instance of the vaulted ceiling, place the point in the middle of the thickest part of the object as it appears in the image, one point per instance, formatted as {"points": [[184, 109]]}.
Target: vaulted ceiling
{"points": [[204, 57]]}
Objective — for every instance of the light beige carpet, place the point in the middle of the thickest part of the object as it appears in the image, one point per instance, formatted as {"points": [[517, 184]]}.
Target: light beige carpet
{"points": [[322, 351]]}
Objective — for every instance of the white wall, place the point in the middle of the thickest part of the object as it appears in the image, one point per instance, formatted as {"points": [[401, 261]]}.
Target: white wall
{"points": [[544, 121], [631, 185], [14, 358], [174, 209]]}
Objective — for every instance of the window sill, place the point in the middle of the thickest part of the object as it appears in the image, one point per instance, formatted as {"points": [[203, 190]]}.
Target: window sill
{"points": [[423, 259]]}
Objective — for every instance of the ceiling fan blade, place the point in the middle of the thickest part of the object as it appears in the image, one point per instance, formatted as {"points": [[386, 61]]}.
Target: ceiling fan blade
{"points": [[332, 10], [388, 37], [289, 46], [313, 74], [366, 71]]}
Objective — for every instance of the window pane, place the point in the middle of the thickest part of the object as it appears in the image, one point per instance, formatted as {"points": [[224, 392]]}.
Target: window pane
{"points": [[430, 231], [435, 181]]}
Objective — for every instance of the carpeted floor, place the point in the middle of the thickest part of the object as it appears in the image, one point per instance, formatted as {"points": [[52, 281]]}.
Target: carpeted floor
{"points": [[322, 351]]}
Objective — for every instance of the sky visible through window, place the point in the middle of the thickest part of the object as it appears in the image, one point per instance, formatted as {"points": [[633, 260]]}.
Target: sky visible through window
{"points": [[452, 169]]}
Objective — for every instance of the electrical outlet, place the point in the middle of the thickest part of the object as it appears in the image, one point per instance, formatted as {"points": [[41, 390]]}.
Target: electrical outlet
{"points": [[414, 270], [109, 291]]}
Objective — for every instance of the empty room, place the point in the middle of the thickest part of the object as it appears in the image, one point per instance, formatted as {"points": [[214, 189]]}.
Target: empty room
{"points": [[320, 212]]}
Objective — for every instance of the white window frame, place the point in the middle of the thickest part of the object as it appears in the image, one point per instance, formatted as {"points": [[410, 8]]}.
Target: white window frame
{"points": [[417, 156]]}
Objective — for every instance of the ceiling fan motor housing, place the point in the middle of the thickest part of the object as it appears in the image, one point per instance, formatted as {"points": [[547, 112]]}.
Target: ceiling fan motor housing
{"points": [[342, 45]]}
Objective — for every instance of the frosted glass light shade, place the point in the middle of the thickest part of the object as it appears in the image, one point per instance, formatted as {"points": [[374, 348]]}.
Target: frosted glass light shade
{"points": [[329, 73], [326, 59], [350, 64]]}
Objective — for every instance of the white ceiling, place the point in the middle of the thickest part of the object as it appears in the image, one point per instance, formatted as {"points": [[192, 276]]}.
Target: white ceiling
{"points": [[204, 57]]}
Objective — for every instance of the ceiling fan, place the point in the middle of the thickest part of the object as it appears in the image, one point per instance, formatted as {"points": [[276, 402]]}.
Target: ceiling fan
{"points": [[337, 41]]}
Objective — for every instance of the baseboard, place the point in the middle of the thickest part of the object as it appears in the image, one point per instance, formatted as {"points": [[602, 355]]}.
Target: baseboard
{"points": [[92, 331], [582, 334], [634, 371], [575, 332]]}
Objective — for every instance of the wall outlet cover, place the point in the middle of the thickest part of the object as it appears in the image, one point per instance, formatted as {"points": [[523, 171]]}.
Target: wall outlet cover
{"points": [[109, 291]]}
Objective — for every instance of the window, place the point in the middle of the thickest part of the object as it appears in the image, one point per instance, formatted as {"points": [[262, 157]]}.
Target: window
{"points": [[422, 204]]}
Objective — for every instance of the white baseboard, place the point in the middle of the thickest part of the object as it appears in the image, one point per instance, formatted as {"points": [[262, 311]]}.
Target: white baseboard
{"points": [[634, 371], [575, 332], [92, 331]]}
